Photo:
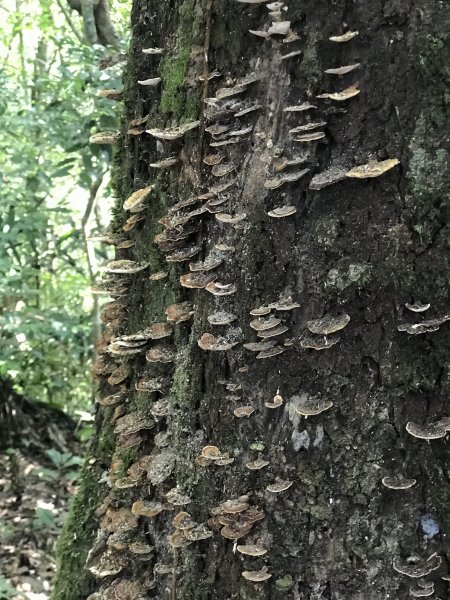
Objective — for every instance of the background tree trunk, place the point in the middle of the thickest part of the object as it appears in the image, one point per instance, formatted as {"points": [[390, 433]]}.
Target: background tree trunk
{"points": [[360, 247]]}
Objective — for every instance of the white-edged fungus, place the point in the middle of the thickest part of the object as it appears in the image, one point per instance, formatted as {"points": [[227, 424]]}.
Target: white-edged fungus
{"points": [[221, 318], [328, 324], [197, 280], [152, 82], [152, 50], [307, 127], [310, 137], [257, 576], [215, 344], [271, 352], [243, 411], [430, 431], [308, 406], [279, 486], [252, 550], [256, 465], [276, 402], [343, 70], [173, 133], [165, 163], [416, 567], [282, 211], [299, 107], [123, 266], [221, 289], [137, 199], [104, 137], [398, 482], [417, 307], [346, 94]]}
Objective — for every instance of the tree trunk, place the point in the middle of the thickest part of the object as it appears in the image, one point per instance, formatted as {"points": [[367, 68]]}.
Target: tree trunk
{"points": [[362, 248]]}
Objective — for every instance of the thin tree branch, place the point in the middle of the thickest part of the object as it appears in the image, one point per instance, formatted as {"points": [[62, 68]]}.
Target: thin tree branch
{"points": [[70, 22]]}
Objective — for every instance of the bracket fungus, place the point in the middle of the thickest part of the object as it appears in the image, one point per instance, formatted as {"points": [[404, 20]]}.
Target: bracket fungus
{"points": [[215, 344], [284, 303], [212, 453], [111, 94], [146, 508], [119, 375], [165, 163], [153, 50], [282, 211], [252, 549], [184, 254], [416, 567], [176, 497], [260, 346], [310, 137], [343, 70], [417, 307], [179, 312], [197, 280], [262, 324], [107, 564], [243, 411], [316, 342], [430, 431], [152, 82], [328, 324], [160, 354], [279, 486], [373, 168], [422, 590], [124, 266], [173, 133], [307, 127], [231, 219], [345, 37], [299, 107], [257, 576], [427, 326], [213, 159], [260, 311], [273, 331], [276, 402], [137, 198], [307, 406], [221, 289], [151, 384], [279, 180], [105, 137], [211, 262], [346, 94], [398, 482], [256, 465]]}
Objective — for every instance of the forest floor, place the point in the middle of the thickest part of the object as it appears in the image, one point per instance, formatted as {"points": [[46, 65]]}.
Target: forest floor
{"points": [[36, 483]]}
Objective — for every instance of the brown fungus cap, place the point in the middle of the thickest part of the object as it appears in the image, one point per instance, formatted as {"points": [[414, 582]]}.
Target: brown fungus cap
{"points": [[158, 275], [124, 266], [231, 219], [119, 375], [215, 344], [221, 289], [173, 133], [137, 198], [160, 354], [165, 163], [211, 262], [197, 280]]}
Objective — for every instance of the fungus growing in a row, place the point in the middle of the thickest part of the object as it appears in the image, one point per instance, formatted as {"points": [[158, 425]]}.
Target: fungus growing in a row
{"points": [[398, 482], [276, 402], [430, 431], [165, 163], [271, 352], [221, 318], [221, 289], [243, 411], [279, 486], [178, 313], [231, 219], [160, 354], [197, 280], [282, 211], [328, 324], [373, 168], [257, 576], [112, 94], [173, 133], [252, 549], [424, 326], [343, 70], [416, 567], [256, 465], [328, 177], [152, 82], [105, 137], [307, 127], [124, 266], [307, 406], [215, 344], [310, 137], [345, 37], [147, 508], [346, 94], [417, 307]]}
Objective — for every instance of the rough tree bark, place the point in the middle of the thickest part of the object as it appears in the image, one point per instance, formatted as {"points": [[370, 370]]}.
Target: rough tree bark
{"points": [[357, 247]]}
